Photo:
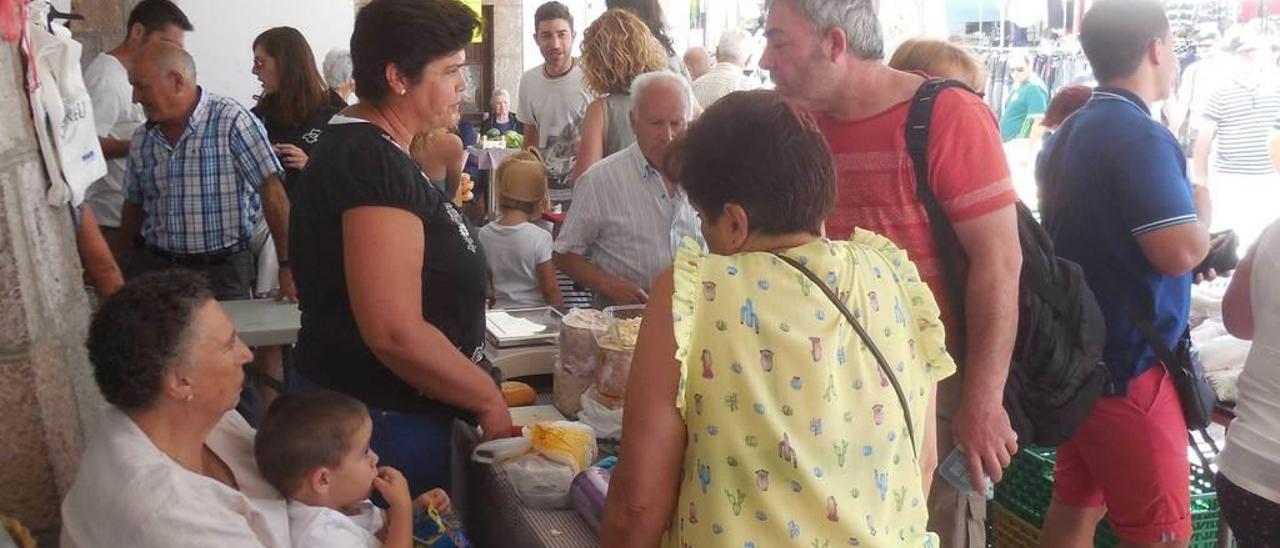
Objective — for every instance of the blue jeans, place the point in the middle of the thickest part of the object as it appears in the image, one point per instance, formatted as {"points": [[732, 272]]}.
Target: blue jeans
{"points": [[419, 445]]}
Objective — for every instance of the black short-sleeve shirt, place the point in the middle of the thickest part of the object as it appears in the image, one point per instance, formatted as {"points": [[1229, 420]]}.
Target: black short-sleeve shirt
{"points": [[304, 136], [356, 164]]}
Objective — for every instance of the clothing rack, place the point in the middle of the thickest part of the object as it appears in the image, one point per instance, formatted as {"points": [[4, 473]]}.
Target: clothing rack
{"points": [[1056, 69]]}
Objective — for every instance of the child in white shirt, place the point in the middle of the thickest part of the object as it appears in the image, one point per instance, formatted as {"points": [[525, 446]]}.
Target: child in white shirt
{"points": [[519, 252], [315, 449]]}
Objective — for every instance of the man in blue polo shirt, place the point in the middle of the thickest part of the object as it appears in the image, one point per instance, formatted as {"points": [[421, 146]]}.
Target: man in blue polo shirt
{"points": [[1116, 199]]}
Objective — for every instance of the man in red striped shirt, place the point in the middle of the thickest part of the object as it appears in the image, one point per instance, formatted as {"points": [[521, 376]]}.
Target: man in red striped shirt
{"points": [[828, 55]]}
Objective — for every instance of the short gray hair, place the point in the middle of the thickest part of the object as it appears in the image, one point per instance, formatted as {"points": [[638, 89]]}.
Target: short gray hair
{"points": [[500, 92], [732, 46], [647, 82], [337, 67], [857, 18]]}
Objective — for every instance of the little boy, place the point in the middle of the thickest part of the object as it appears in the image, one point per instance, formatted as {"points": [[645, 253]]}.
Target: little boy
{"points": [[314, 448], [519, 251]]}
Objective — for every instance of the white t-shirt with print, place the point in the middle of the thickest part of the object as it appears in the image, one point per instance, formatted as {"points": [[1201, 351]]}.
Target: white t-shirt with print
{"points": [[550, 103]]}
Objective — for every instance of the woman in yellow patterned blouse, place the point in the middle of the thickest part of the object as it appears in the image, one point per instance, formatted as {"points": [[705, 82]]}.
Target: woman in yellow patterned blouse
{"points": [[755, 414]]}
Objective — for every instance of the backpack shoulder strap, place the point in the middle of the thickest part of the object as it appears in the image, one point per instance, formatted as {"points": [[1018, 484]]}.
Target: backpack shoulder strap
{"points": [[919, 118]]}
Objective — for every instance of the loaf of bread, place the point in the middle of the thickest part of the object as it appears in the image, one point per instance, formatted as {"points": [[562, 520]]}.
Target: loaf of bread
{"points": [[518, 394]]}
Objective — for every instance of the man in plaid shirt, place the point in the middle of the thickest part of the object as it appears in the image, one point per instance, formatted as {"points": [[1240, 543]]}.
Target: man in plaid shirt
{"points": [[201, 176]]}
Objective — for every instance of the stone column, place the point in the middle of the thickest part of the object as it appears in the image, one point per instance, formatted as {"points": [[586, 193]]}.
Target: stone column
{"points": [[44, 313], [102, 27], [508, 45]]}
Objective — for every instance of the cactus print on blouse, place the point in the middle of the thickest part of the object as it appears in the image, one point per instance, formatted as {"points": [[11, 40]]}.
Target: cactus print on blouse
{"points": [[808, 444]]}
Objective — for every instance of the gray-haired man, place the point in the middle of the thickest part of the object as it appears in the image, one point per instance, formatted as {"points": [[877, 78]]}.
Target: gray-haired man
{"points": [[829, 56], [628, 216]]}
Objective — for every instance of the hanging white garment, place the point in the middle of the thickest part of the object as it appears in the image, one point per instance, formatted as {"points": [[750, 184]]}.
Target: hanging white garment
{"points": [[62, 110]]}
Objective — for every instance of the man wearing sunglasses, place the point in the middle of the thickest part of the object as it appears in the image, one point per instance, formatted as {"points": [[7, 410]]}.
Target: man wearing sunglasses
{"points": [[1028, 98]]}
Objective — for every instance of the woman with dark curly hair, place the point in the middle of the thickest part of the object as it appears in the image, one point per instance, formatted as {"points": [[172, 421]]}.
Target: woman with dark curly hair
{"points": [[762, 366], [391, 276], [171, 463], [616, 48]]}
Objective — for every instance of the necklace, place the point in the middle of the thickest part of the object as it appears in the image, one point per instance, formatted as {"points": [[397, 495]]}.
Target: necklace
{"points": [[572, 63]]}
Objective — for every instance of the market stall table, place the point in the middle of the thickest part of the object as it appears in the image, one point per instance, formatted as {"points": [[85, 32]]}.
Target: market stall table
{"points": [[489, 159], [265, 322], [493, 512]]}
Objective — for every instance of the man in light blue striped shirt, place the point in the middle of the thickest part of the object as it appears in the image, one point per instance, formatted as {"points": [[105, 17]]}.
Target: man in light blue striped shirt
{"points": [[201, 176], [627, 216]]}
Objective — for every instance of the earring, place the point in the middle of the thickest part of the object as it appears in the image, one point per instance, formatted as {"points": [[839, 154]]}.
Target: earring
{"points": [[402, 91], [189, 398]]}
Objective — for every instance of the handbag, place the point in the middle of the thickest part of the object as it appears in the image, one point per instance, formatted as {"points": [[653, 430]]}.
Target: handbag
{"points": [[1183, 364], [866, 339], [1222, 257]]}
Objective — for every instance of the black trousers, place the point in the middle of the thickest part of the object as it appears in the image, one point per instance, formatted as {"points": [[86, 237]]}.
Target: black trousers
{"points": [[1254, 521], [230, 278]]}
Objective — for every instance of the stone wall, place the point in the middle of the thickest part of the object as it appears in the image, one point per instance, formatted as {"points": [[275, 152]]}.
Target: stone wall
{"points": [[44, 313], [103, 25]]}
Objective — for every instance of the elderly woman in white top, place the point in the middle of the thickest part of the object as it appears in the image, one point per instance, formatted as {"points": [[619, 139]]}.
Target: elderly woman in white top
{"points": [[1249, 467], [171, 463]]}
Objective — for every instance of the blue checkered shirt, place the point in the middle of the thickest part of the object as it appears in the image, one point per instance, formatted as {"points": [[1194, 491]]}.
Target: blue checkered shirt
{"points": [[200, 195]]}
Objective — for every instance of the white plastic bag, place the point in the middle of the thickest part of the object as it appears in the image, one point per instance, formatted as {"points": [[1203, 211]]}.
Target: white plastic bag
{"points": [[540, 481], [606, 422], [63, 112]]}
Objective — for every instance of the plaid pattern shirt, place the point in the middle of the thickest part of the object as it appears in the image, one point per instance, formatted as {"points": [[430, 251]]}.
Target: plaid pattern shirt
{"points": [[200, 195]]}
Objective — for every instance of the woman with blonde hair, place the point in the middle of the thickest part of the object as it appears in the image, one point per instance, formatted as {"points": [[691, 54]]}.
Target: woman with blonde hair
{"points": [[941, 60], [616, 48]]}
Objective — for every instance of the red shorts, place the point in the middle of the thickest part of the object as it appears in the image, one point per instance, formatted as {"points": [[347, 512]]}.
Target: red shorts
{"points": [[1130, 456]]}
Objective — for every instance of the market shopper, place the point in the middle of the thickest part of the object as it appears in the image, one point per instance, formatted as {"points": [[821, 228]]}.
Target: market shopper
{"points": [[295, 106], [1116, 200], [201, 178], [1231, 153], [727, 75], [1029, 98], [551, 94], [755, 416], [115, 115], [827, 55], [390, 273], [616, 48], [939, 59], [171, 463], [628, 213], [1248, 482]]}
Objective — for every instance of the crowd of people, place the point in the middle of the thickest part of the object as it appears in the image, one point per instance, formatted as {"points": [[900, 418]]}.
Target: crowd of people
{"points": [[815, 339]]}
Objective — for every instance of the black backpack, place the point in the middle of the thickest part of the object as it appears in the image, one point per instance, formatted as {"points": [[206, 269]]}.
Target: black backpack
{"points": [[1057, 372]]}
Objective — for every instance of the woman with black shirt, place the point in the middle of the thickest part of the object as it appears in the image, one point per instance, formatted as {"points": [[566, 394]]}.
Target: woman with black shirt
{"points": [[295, 106], [391, 277]]}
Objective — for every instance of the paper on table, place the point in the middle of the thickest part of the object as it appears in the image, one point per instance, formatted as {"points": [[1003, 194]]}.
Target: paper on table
{"points": [[511, 326]]}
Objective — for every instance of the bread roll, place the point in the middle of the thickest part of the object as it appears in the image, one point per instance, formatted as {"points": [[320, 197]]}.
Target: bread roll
{"points": [[518, 394]]}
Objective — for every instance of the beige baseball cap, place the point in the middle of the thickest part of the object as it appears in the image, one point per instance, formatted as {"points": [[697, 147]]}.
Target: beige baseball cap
{"points": [[522, 177]]}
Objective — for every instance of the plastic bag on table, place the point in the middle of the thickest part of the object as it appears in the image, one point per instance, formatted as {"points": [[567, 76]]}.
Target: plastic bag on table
{"points": [[539, 481], [568, 387], [588, 493], [570, 443], [606, 421], [435, 530]]}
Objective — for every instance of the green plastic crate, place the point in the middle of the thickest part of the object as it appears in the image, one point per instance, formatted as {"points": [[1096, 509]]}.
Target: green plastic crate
{"points": [[1027, 488]]}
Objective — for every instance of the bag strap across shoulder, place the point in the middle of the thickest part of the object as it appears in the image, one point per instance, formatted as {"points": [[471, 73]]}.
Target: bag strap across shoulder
{"points": [[919, 118], [866, 338]]}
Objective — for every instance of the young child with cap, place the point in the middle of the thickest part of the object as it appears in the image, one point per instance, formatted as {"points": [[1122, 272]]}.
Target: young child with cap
{"points": [[314, 448], [519, 251]]}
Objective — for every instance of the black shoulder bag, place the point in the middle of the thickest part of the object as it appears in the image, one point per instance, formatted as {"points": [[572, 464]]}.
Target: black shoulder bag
{"points": [[866, 338], [1194, 391]]}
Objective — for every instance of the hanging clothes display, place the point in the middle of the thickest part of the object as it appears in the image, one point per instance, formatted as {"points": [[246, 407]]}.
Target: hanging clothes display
{"points": [[1057, 69]]}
